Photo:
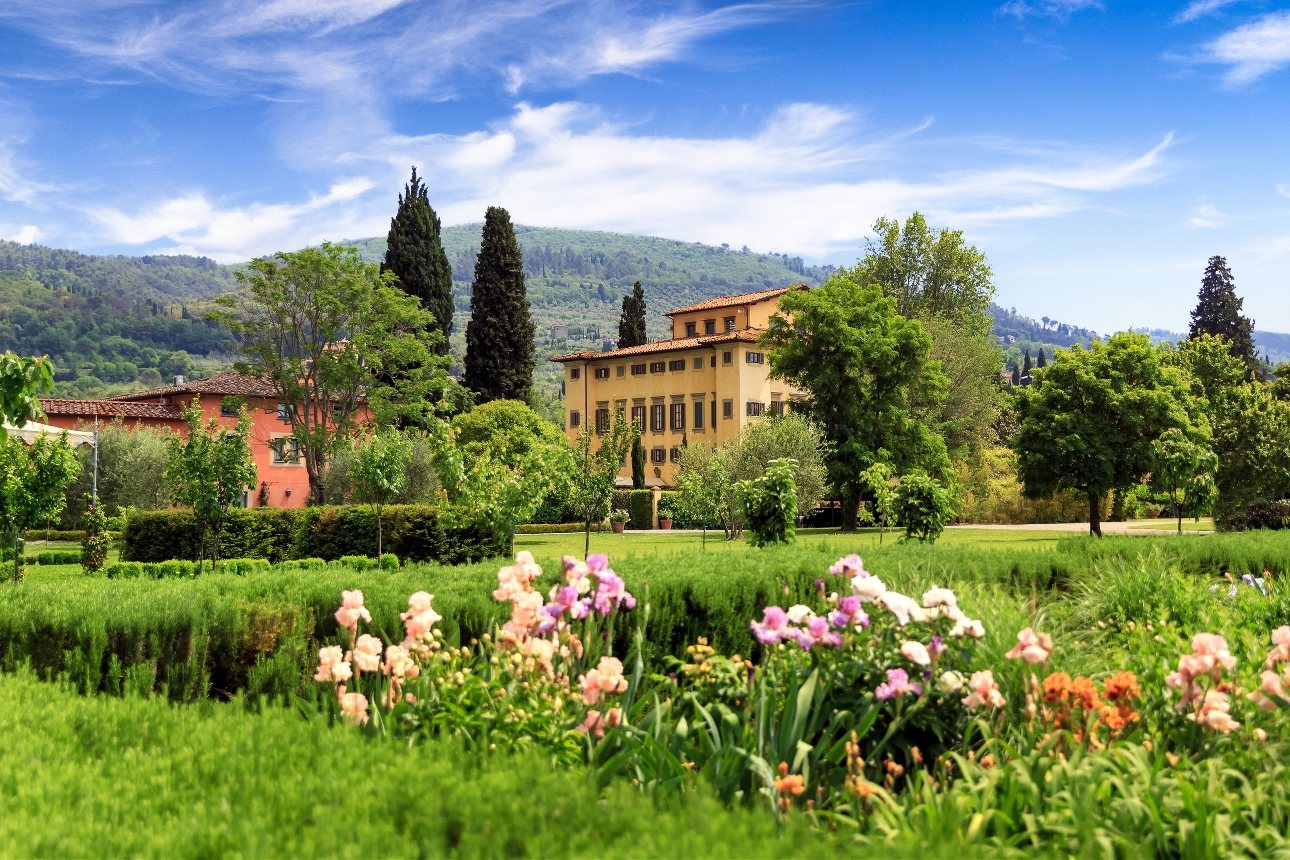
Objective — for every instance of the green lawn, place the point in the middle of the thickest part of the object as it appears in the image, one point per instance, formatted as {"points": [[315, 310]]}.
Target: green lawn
{"points": [[1206, 524]]}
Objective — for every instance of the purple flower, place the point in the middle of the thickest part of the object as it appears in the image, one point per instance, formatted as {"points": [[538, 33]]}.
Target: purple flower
{"points": [[598, 561], [772, 627], [847, 566], [897, 684], [819, 588], [611, 591], [937, 648], [817, 632], [849, 612]]}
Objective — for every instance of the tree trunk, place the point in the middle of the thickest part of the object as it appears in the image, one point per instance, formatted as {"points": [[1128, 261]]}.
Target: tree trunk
{"points": [[850, 509], [379, 545], [1094, 514], [586, 550], [15, 557]]}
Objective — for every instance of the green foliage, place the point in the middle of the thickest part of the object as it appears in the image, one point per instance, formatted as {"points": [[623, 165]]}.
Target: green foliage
{"points": [[641, 508], [32, 479], [378, 472], [619, 515], [669, 504], [638, 463], [591, 473], [368, 343], [922, 506], [1185, 470], [845, 331], [1088, 421], [414, 253], [769, 505], [929, 273], [211, 469], [59, 556], [499, 336], [878, 481], [631, 325], [778, 437], [1218, 312], [22, 380], [132, 471]]}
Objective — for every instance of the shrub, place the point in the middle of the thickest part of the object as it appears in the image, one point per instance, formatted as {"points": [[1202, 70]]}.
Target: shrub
{"points": [[922, 506], [242, 566], [770, 505], [548, 528], [357, 562], [669, 504], [641, 507], [57, 556], [389, 561]]}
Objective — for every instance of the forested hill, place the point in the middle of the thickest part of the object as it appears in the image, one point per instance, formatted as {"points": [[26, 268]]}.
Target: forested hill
{"points": [[163, 280], [578, 277]]}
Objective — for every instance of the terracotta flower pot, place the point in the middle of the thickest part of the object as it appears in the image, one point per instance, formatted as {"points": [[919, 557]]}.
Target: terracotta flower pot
{"points": [[664, 524], [618, 527]]}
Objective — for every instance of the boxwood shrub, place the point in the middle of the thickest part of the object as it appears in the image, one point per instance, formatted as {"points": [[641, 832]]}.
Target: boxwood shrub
{"points": [[641, 508]]}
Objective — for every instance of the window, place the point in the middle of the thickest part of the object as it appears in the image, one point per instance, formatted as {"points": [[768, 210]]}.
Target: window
{"points": [[755, 408], [674, 455], [657, 366], [690, 330], [228, 406], [622, 368], [638, 370], [658, 418], [709, 326], [712, 362], [727, 357], [678, 416], [638, 417], [286, 450], [727, 409], [730, 323], [658, 455], [602, 420], [575, 419], [755, 357], [575, 373], [602, 373], [679, 364], [698, 415], [698, 363], [714, 415], [285, 411], [777, 408]]}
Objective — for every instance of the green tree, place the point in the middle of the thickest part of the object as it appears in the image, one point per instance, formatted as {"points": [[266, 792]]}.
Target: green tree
{"points": [[332, 335], [211, 471], [878, 479], [379, 473], [631, 324], [770, 505], [638, 462], [862, 362], [1184, 470], [499, 337], [591, 478], [923, 507], [414, 254], [774, 437], [702, 480], [95, 544], [929, 273], [1218, 312], [22, 380], [1088, 420], [32, 479]]}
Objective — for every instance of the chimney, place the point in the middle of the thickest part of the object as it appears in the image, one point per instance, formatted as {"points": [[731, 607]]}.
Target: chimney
{"points": [[179, 380]]}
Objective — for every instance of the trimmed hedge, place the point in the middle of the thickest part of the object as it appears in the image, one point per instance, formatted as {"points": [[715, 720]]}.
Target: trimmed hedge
{"points": [[548, 528], [56, 556], [641, 508], [412, 532]]}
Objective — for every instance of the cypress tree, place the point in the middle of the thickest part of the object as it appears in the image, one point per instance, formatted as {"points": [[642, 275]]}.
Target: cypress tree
{"points": [[1218, 312], [638, 463], [1025, 364], [499, 337], [1016, 376], [414, 253], [631, 324], [1041, 362]]}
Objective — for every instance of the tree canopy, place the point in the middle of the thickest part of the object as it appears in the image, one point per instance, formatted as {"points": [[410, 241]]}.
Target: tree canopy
{"points": [[862, 363], [631, 325], [499, 337], [1089, 419], [1218, 312], [414, 253]]}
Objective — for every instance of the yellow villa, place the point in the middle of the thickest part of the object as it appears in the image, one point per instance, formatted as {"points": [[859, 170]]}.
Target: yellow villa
{"points": [[703, 384]]}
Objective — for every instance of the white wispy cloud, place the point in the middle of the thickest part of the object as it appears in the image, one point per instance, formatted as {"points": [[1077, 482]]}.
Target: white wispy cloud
{"points": [[1283, 190], [1047, 8], [811, 180], [1252, 50], [24, 235], [1208, 217], [1199, 9]]}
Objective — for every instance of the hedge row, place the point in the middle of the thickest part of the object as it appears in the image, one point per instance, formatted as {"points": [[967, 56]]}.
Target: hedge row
{"points": [[412, 532]]}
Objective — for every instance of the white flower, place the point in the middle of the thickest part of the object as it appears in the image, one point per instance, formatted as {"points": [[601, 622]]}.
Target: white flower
{"points": [[968, 627], [937, 596], [916, 652], [905, 609], [868, 588], [949, 682], [799, 613]]}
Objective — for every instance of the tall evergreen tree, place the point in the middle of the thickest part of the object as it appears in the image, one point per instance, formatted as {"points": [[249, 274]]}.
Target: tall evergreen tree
{"points": [[631, 325], [414, 253], [1218, 312], [1041, 361], [499, 337], [1025, 363]]}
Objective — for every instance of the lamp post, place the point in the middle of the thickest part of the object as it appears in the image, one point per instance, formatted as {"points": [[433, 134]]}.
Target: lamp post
{"points": [[95, 496]]}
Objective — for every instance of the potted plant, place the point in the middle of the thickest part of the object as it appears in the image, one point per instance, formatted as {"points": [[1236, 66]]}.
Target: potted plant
{"points": [[666, 511], [618, 520]]}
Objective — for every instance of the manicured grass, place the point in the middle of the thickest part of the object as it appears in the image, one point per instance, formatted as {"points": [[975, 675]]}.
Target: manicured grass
{"points": [[1206, 524]]}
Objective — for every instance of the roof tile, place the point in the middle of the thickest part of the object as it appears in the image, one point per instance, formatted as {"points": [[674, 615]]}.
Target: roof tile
{"points": [[741, 299], [220, 383], [109, 409], [675, 344]]}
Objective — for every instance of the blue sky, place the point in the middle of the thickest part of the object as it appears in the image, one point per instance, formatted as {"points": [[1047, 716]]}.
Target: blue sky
{"points": [[1098, 152]]}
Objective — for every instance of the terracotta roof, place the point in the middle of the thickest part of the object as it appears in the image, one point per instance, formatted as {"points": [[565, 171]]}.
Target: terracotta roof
{"points": [[109, 409], [746, 335], [221, 383], [732, 301]]}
